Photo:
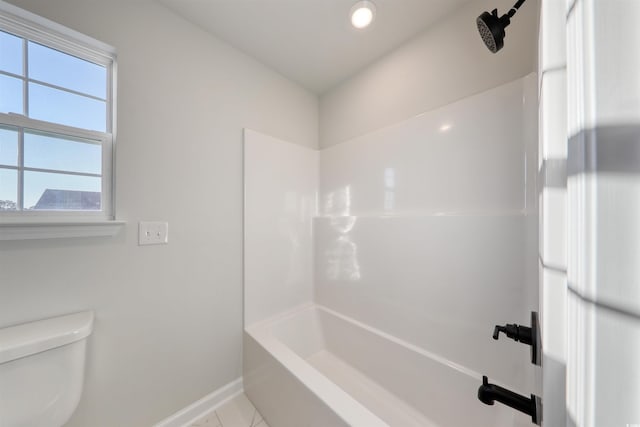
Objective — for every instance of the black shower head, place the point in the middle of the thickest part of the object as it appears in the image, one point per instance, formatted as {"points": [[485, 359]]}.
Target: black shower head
{"points": [[491, 27]]}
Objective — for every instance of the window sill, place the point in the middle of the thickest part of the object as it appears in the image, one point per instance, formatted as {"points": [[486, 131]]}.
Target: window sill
{"points": [[56, 230]]}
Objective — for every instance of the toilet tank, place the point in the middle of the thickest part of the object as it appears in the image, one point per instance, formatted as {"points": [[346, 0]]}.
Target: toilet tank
{"points": [[42, 370]]}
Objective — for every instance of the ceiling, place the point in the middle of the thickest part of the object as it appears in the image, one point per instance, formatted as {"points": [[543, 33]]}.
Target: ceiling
{"points": [[312, 41]]}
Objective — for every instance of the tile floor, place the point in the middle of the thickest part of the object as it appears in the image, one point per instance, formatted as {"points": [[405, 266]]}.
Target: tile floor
{"points": [[238, 412]]}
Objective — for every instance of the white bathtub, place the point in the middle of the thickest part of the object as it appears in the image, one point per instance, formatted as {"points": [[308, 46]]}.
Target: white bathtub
{"points": [[314, 367]]}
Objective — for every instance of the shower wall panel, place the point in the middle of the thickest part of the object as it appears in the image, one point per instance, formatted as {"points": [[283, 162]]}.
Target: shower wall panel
{"points": [[466, 157], [281, 181], [426, 229]]}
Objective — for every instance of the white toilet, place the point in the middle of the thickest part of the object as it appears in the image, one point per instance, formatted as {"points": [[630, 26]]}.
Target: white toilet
{"points": [[42, 370]]}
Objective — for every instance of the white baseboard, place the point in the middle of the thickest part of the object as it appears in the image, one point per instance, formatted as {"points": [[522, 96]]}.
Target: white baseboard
{"points": [[185, 417]]}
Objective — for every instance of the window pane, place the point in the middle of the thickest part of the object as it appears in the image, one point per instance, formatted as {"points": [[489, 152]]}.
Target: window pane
{"points": [[11, 95], [57, 68], [53, 191], [50, 151], [8, 147], [8, 190], [10, 53], [66, 108]]}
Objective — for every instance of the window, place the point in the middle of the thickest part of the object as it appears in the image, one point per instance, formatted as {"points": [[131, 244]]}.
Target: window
{"points": [[56, 122]]}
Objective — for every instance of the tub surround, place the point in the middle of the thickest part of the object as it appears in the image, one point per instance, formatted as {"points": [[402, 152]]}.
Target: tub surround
{"points": [[420, 236], [424, 228], [281, 181]]}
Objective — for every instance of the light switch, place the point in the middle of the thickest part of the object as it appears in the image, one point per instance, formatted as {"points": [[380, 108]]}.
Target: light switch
{"points": [[153, 233]]}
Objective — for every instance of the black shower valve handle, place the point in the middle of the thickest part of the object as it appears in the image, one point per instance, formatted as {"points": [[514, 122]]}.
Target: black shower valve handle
{"points": [[517, 333], [497, 330], [524, 334]]}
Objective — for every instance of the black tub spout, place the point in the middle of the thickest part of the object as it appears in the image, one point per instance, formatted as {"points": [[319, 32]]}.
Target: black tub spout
{"points": [[489, 393]]}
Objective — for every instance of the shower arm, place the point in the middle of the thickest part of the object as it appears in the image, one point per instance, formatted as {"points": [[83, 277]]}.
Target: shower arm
{"points": [[515, 8]]}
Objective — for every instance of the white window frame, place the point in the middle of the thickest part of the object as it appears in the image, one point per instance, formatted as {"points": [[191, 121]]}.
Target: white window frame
{"points": [[50, 34]]}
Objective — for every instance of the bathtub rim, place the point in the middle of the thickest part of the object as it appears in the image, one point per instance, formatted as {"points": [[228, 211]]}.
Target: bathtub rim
{"points": [[335, 398], [346, 407], [267, 327]]}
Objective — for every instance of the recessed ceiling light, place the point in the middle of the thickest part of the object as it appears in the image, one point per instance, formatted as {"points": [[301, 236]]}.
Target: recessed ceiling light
{"points": [[362, 14]]}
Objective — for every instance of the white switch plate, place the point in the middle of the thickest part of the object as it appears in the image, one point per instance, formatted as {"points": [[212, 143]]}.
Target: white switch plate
{"points": [[153, 233]]}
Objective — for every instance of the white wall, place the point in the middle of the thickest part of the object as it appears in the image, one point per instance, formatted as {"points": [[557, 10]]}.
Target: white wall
{"points": [[168, 318], [281, 186], [446, 63]]}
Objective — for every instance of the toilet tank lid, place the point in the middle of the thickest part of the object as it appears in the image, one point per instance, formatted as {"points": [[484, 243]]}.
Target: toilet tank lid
{"points": [[34, 337]]}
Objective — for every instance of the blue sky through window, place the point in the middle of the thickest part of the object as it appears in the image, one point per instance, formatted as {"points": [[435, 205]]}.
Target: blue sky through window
{"points": [[57, 106], [8, 147], [58, 153], [11, 57], [52, 105], [11, 95], [57, 68]]}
